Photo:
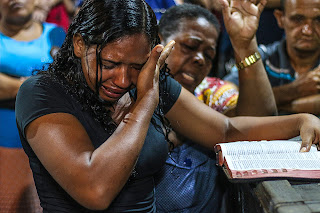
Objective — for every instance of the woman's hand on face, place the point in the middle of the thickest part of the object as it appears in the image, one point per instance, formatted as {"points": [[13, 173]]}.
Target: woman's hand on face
{"points": [[148, 80], [310, 132], [241, 18]]}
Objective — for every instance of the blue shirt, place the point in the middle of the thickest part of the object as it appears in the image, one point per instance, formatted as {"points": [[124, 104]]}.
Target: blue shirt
{"points": [[189, 183], [159, 6], [276, 62], [19, 59]]}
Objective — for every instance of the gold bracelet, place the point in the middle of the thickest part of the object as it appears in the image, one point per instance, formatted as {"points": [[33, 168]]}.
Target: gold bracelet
{"points": [[248, 61]]}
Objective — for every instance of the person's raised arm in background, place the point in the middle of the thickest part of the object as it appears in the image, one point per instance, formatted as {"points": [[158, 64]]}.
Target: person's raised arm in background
{"points": [[191, 66], [292, 64], [256, 96]]}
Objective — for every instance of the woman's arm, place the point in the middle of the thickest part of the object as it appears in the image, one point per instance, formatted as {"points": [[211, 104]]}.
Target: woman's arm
{"points": [[241, 20], [201, 124], [9, 86], [93, 177], [308, 104]]}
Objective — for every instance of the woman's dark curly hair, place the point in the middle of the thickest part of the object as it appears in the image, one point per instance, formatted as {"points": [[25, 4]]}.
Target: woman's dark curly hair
{"points": [[100, 22]]}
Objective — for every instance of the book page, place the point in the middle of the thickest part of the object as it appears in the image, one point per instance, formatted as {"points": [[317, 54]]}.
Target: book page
{"points": [[303, 161], [261, 147]]}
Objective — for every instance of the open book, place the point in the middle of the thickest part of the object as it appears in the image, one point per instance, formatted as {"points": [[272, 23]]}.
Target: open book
{"points": [[248, 160]]}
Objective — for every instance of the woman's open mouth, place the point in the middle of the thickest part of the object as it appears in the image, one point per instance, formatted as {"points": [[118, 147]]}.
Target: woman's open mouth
{"points": [[112, 93]]}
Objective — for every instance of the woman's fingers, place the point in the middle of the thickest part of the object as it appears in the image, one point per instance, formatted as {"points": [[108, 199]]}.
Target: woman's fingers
{"points": [[154, 57], [310, 133], [305, 146], [261, 5], [225, 8], [157, 59], [165, 53]]}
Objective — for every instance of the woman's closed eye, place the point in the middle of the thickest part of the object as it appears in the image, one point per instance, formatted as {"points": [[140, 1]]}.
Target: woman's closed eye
{"points": [[109, 65], [137, 67], [188, 47]]}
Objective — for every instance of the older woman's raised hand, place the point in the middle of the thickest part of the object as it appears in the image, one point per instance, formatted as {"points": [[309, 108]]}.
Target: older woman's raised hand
{"points": [[241, 18]]}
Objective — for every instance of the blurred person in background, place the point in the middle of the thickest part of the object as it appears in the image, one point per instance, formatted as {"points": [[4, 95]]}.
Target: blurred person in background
{"points": [[25, 45], [59, 12], [160, 6], [77, 4]]}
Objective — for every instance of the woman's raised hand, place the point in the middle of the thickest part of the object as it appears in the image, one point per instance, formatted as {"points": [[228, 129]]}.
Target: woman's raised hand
{"points": [[241, 19]]}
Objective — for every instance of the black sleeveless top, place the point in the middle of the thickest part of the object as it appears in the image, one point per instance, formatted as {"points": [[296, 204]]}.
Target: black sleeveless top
{"points": [[38, 96]]}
